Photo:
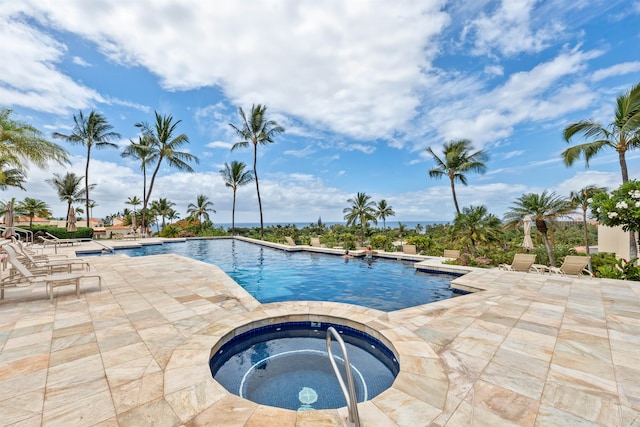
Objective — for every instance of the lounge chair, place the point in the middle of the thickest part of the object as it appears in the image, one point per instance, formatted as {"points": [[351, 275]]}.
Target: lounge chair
{"points": [[315, 242], [50, 239], [290, 241], [521, 262], [451, 253], [409, 249], [573, 265], [47, 264], [27, 277]]}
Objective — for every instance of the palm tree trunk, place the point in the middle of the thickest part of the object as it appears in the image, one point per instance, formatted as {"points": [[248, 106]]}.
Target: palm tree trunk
{"points": [[255, 174], [146, 198], [233, 214], [144, 201], [455, 199], [86, 180], [586, 238]]}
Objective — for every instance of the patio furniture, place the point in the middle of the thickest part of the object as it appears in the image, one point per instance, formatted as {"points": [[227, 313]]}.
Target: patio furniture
{"points": [[451, 253], [409, 249], [573, 265], [290, 241], [521, 262]]}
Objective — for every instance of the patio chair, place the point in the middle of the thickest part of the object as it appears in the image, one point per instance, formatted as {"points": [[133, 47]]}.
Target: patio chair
{"points": [[290, 241], [315, 242], [521, 262], [573, 265], [46, 264], [50, 239], [409, 249], [26, 277], [451, 253]]}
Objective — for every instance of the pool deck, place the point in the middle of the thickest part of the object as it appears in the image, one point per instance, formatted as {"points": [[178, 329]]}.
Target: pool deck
{"points": [[527, 350]]}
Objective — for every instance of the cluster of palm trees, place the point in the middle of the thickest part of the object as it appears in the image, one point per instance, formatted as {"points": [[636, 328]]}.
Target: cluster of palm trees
{"points": [[363, 210]]}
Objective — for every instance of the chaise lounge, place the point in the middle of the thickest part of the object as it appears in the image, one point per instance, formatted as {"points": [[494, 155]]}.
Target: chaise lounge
{"points": [[521, 262], [573, 265]]}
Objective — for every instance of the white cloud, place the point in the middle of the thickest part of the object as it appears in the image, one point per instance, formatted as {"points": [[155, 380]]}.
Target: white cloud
{"points": [[220, 144], [81, 62], [305, 152], [509, 30], [32, 79], [347, 66], [616, 70]]}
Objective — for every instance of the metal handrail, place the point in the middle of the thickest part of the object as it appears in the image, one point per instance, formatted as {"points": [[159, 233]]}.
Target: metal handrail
{"points": [[350, 394], [28, 233]]}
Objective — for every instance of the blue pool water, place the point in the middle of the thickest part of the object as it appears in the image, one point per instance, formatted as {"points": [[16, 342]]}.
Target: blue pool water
{"points": [[272, 275], [287, 365]]}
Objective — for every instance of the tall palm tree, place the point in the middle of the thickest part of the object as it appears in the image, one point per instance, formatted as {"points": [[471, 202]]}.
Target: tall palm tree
{"points": [[582, 199], [21, 143], [92, 204], [383, 210], [92, 130], [476, 225], [163, 207], [164, 146], [31, 208], [457, 160], [201, 208], [542, 208], [140, 150], [256, 130], [69, 189], [622, 135], [362, 210], [173, 215], [235, 176]]}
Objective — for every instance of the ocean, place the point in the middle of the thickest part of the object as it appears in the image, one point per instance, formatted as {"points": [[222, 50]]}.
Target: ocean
{"points": [[390, 224]]}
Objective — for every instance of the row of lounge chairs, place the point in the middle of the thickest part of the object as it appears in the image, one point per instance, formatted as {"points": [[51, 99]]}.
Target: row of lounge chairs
{"points": [[573, 265], [27, 269]]}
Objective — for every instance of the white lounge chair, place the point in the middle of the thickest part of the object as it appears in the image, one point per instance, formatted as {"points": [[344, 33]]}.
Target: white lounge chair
{"points": [[290, 241]]}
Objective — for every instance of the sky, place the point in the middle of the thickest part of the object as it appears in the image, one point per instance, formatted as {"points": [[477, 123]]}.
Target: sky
{"points": [[362, 87]]}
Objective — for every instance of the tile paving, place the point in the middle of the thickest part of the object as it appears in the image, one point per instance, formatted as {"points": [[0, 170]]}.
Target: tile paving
{"points": [[527, 350]]}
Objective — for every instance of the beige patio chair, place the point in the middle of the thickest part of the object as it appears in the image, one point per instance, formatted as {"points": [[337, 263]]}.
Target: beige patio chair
{"points": [[290, 241], [315, 242], [451, 253], [521, 262], [573, 265], [46, 263], [409, 249], [26, 277]]}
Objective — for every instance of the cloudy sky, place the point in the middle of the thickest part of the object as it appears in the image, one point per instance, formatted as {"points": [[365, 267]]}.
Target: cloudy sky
{"points": [[362, 88]]}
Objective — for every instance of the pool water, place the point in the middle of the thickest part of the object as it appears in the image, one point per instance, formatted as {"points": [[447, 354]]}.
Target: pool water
{"points": [[273, 275], [287, 366]]}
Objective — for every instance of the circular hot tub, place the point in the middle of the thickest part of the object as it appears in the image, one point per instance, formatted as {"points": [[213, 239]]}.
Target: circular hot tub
{"points": [[287, 365]]}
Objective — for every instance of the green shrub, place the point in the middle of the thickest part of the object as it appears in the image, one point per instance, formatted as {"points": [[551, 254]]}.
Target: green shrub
{"points": [[62, 233]]}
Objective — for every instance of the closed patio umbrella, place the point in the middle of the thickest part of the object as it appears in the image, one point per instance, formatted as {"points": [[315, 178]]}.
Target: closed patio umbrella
{"points": [[527, 243], [8, 221], [134, 227], [71, 221]]}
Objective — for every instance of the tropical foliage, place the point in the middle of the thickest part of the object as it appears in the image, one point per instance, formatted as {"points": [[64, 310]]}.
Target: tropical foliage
{"points": [[619, 208], [235, 176], [31, 208], [362, 211]]}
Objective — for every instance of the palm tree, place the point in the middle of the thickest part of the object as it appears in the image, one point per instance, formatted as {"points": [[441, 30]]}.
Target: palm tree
{"points": [[542, 208], [32, 208], [89, 131], [172, 215], [476, 225], [69, 189], [10, 176], [201, 208], [622, 135], [163, 207], [582, 199], [235, 176], [21, 143], [164, 146], [458, 159], [254, 131], [362, 210], [383, 210], [140, 150]]}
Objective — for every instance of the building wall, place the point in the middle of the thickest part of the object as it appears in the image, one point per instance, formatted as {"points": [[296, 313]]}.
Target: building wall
{"points": [[613, 239]]}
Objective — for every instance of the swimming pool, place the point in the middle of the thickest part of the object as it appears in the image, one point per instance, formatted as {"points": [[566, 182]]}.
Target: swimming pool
{"points": [[273, 275]]}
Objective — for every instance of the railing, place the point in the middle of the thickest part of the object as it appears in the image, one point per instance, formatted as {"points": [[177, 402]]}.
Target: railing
{"points": [[350, 393], [17, 231]]}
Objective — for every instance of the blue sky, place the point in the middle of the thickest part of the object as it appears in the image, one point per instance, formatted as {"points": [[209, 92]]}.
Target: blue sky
{"points": [[362, 88]]}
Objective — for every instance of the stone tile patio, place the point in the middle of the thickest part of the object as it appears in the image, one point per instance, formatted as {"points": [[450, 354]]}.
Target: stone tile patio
{"points": [[527, 350]]}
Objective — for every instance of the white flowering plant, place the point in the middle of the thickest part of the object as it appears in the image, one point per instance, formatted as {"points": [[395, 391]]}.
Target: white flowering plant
{"points": [[620, 207]]}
